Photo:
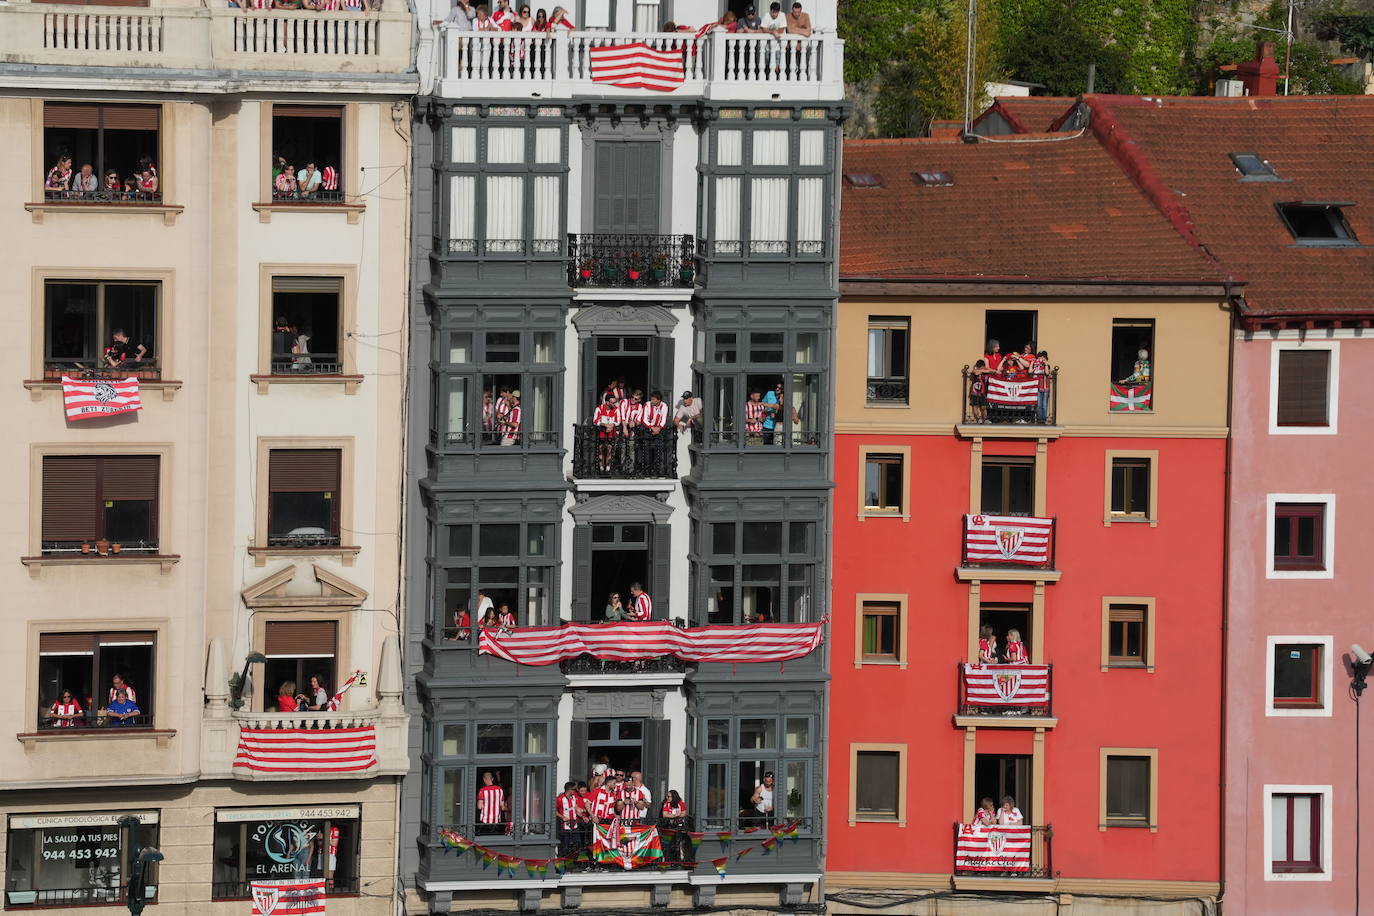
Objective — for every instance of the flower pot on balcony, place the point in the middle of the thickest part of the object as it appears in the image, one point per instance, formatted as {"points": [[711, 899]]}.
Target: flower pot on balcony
{"points": [[687, 274], [102, 547], [86, 547], [115, 548], [633, 274], [586, 273], [659, 273]]}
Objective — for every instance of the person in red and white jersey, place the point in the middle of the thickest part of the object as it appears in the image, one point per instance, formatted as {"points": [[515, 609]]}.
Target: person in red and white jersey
{"points": [[503, 17], [607, 423], [1016, 649], [462, 624], [985, 816], [600, 804], [118, 683], [499, 409], [1009, 815], [506, 617], [641, 605], [333, 847], [66, 712], [491, 805], [754, 413], [570, 812], [510, 424], [631, 413], [484, 22], [677, 844], [987, 646], [637, 798], [558, 19]]}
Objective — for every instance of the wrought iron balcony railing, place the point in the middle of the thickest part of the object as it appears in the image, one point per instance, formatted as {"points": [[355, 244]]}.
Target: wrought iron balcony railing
{"points": [[146, 370], [242, 890], [306, 364], [94, 894], [1006, 690], [620, 457], [1001, 398], [315, 537], [587, 664], [92, 719], [1021, 851], [102, 196], [888, 390], [629, 260]]}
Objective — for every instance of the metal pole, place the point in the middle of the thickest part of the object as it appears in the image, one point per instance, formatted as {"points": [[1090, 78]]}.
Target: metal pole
{"points": [[969, 69], [1288, 50]]}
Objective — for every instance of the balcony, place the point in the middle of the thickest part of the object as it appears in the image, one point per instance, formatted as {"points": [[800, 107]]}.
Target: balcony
{"points": [[643, 457], [1018, 399], [201, 40], [1019, 547], [286, 364], [719, 65], [104, 197], [590, 664], [1021, 852], [145, 371], [1006, 696], [888, 391], [631, 261]]}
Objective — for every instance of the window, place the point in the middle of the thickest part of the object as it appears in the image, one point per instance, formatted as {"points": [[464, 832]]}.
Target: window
{"points": [[1299, 530], [1253, 167], [1297, 675], [1317, 223], [877, 787], [882, 627], [90, 667], [70, 859], [249, 844], [863, 180], [519, 755], [1131, 337], [1303, 382], [884, 476], [765, 580], [306, 136], [1296, 827], [506, 397], [1129, 787], [120, 143], [303, 497], [889, 341], [933, 179], [89, 500], [514, 565], [787, 372], [1008, 485], [306, 314], [732, 769], [1127, 635], [101, 329], [296, 651], [514, 175], [1131, 487], [786, 212]]}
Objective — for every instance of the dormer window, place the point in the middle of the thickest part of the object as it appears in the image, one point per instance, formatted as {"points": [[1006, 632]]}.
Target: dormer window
{"points": [[1253, 167], [1318, 223], [933, 179]]}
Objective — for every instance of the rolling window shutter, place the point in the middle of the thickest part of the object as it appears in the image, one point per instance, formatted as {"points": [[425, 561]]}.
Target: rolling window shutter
{"points": [[581, 573], [303, 470], [307, 111], [69, 498], [662, 565], [1125, 613], [129, 477], [289, 638], [66, 644], [307, 285], [126, 638], [61, 114], [1302, 387], [129, 117]]}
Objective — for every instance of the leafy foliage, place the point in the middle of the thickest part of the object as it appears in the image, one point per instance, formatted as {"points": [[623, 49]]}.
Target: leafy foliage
{"points": [[1310, 69], [1055, 49], [1355, 31]]}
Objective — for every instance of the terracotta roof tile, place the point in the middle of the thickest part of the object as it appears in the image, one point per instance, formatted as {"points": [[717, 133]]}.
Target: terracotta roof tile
{"points": [[1029, 113]]}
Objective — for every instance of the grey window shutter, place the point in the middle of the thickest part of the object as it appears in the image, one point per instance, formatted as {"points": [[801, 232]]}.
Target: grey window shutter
{"points": [[591, 391], [662, 559], [655, 765], [579, 767], [582, 574], [605, 190], [661, 370], [645, 174]]}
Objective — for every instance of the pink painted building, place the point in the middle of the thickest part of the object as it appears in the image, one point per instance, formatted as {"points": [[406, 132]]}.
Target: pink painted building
{"points": [[1278, 192]]}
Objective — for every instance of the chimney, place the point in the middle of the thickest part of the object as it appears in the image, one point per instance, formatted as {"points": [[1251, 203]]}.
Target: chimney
{"points": [[1260, 75]]}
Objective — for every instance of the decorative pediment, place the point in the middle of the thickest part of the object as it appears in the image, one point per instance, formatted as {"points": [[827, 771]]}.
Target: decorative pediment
{"points": [[621, 507], [626, 319], [327, 591]]}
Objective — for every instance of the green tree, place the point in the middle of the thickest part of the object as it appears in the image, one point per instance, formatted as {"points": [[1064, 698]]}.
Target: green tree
{"points": [[876, 33], [1054, 48], [1310, 68]]}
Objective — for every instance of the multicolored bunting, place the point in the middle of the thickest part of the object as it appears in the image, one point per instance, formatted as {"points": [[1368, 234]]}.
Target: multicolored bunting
{"points": [[696, 839], [743, 852], [768, 844], [1131, 398], [725, 837], [488, 857], [721, 865]]}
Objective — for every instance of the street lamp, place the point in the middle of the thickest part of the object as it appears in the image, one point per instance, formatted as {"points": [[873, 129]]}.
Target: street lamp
{"points": [[238, 681], [139, 858]]}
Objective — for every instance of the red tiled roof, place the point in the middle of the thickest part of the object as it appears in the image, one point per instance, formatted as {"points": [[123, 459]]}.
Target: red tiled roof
{"points": [[1043, 207], [1322, 147], [1030, 113]]}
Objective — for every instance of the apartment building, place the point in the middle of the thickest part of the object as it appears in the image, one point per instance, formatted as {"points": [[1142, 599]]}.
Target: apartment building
{"points": [[1028, 562], [582, 229], [240, 531]]}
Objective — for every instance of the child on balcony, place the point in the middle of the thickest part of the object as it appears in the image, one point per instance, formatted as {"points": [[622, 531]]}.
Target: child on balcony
{"points": [[978, 391], [987, 646], [1016, 649], [986, 815]]}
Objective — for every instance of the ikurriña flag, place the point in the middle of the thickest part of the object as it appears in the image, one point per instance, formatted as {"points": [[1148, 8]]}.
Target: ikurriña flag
{"points": [[288, 897], [1131, 398], [99, 397]]}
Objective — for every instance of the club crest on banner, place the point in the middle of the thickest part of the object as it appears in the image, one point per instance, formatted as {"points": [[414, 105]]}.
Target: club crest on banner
{"points": [[1007, 685], [104, 392], [265, 899], [997, 841], [1009, 540]]}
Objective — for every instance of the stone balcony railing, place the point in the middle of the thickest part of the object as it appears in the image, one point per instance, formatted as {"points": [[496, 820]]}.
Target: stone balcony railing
{"points": [[199, 40], [718, 65]]}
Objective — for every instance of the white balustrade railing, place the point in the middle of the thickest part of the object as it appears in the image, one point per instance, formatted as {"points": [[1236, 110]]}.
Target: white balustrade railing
{"points": [[102, 32], [306, 33], [323, 719]]}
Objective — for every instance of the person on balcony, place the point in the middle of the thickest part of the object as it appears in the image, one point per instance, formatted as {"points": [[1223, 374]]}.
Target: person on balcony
{"points": [[570, 813], [147, 181], [459, 18], [541, 20], [641, 605], [317, 697], [607, 423], [762, 800], [59, 176], [1040, 368], [117, 683], [673, 818], [121, 353], [1015, 653], [558, 19], [506, 618], [490, 621], [123, 710], [987, 646], [483, 21], [85, 181], [986, 815], [755, 412], [637, 797], [615, 611], [501, 409], [308, 181], [992, 355], [286, 697], [1009, 815], [502, 16], [462, 624], [111, 186], [491, 806], [688, 412], [978, 391], [66, 712], [1140, 372], [600, 804], [285, 185], [750, 21], [655, 422], [774, 24], [484, 606], [798, 23], [510, 426], [524, 22]]}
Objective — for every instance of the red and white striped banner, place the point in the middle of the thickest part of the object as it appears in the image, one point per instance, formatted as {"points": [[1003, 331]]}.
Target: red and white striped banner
{"points": [[628, 642], [1014, 391], [1023, 540], [99, 397], [999, 849], [1006, 685], [288, 896], [336, 699], [307, 750], [638, 66]]}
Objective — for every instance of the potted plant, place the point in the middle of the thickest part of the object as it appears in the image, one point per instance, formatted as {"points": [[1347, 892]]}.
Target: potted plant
{"points": [[115, 547], [586, 268], [658, 267], [635, 267], [687, 271], [102, 547], [86, 547]]}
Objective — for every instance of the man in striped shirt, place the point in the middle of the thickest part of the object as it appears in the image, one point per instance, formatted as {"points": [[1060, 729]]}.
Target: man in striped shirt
{"points": [[491, 806], [754, 412], [641, 605], [637, 798], [570, 815], [510, 424], [600, 804]]}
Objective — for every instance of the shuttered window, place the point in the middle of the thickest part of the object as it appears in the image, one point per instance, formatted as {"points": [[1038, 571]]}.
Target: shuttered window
{"points": [[300, 639], [877, 784], [303, 497], [1128, 789], [1304, 377], [87, 499]]}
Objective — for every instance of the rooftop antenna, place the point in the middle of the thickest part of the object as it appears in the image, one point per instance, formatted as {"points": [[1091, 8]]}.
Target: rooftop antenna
{"points": [[1287, 33], [969, 69], [1092, 77]]}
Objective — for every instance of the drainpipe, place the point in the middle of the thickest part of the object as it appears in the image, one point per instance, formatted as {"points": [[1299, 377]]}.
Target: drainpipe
{"points": [[1233, 326]]}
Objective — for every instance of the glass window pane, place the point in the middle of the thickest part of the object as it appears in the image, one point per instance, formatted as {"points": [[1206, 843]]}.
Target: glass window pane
{"points": [[460, 347], [460, 540], [770, 147], [808, 347], [499, 540], [455, 740], [496, 738], [503, 347], [548, 145], [544, 346], [536, 793], [1283, 537], [631, 731], [762, 537], [633, 534], [505, 145], [798, 537], [451, 804], [498, 575], [1302, 828], [1294, 672], [794, 789], [456, 391], [765, 347], [537, 738], [717, 734], [599, 731], [723, 538], [729, 147], [537, 537], [603, 534], [1278, 826], [798, 733], [806, 408], [717, 793], [758, 734], [464, 143], [1140, 489], [539, 407], [811, 147], [1307, 536]]}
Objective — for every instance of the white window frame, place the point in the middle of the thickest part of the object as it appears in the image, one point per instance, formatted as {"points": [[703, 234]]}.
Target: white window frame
{"points": [[1267, 800], [1327, 675], [1271, 501], [1333, 392]]}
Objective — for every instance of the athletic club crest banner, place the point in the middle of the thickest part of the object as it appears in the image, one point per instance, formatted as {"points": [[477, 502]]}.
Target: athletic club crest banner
{"points": [[1013, 391], [99, 397], [1006, 685], [626, 845], [1131, 398], [1019, 540], [993, 849], [288, 897]]}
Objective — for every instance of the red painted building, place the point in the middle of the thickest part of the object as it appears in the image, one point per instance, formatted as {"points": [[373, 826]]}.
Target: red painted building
{"points": [[1117, 772]]}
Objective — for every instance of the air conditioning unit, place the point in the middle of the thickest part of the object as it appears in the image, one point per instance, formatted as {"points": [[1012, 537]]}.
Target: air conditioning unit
{"points": [[1230, 88]]}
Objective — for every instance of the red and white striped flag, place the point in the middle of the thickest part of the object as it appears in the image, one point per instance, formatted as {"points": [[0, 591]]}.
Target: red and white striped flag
{"points": [[99, 397], [627, 642], [638, 66], [1006, 685], [1012, 392], [334, 701], [288, 896], [994, 849], [307, 750], [1022, 540]]}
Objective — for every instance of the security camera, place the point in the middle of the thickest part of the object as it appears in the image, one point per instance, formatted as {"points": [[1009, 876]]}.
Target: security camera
{"points": [[1361, 656]]}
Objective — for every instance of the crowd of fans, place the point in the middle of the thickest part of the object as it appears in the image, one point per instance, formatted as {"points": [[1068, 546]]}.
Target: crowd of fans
{"points": [[479, 17], [324, 6], [120, 710], [308, 183], [65, 183], [1028, 364]]}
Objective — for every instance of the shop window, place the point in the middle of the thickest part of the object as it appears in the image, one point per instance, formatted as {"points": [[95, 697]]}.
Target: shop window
{"points": [[284, 844], [94, 505], [88, 670], [306, 314], [298, 651], [73, 860], [303, 497], [101, 329], [120, 143], [304, 136]]}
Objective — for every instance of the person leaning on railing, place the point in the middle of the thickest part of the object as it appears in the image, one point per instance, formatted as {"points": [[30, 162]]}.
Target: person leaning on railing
{"points": [[66, 712], [123, 710]]}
